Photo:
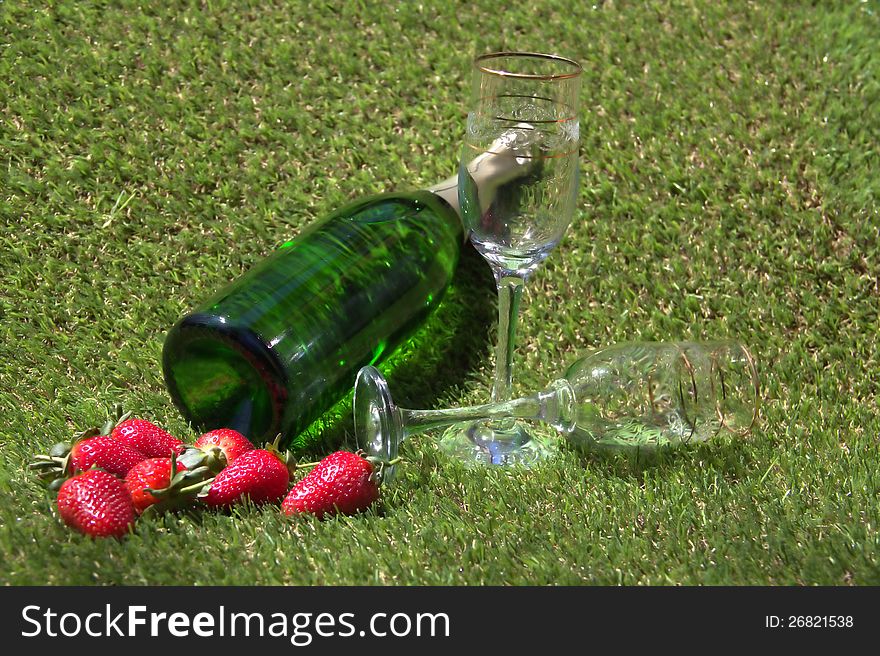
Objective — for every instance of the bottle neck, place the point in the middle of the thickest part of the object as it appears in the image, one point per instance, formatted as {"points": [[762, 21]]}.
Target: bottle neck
{"points": [[448, 191], [502, 161]]}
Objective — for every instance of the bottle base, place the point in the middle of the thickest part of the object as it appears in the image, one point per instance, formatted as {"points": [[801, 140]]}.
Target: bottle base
{"points": [[222, 377]]}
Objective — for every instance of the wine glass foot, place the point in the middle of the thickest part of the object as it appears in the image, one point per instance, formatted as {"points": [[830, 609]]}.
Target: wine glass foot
{"points": [[377, 423], [510, 443]]}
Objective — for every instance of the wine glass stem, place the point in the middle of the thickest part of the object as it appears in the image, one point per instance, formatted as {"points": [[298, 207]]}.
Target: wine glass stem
{"points": [[419, 421], [556, 405], [510, 288]]}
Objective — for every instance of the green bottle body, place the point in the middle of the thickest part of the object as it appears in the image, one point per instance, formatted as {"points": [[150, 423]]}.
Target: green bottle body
{"points": [[280, 345]]}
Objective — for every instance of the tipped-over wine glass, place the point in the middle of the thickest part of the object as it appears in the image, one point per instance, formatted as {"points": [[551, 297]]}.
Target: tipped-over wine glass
{"points": [[528, 101], [640, 394]]}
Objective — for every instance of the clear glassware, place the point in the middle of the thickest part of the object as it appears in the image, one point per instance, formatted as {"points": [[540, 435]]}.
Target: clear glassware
{"points": [[528, 101], [640, 394]]}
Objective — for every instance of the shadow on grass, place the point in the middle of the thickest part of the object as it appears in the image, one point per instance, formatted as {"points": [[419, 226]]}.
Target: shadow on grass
{"points": [[729, 455], [436, 359]]}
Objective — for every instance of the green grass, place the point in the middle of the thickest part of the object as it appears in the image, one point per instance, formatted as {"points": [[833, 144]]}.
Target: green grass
{"points": [[730, 188]]}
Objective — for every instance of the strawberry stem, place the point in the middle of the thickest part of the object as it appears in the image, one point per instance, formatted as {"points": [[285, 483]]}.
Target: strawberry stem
{"points": [[197, 487], [116, 418], [384, 463]]}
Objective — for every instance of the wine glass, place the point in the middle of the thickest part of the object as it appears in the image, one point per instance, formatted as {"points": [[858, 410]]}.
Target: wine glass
{"points": [[640, 394], [528, 103]]}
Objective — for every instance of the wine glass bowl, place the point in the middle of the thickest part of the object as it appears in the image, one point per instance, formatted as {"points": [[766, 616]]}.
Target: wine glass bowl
{"points": [[527, 102], [649, 394]]}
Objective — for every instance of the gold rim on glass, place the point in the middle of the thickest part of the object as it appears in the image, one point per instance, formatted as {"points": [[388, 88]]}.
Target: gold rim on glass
{"points": [[755, 387], [480, 61]]}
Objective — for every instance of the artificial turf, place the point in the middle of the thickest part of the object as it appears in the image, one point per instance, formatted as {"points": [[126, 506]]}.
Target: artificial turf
{"points": [[154, 151]]}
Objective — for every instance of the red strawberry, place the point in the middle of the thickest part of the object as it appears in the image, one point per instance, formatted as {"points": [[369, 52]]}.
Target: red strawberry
{"points": [[97, 504], [146, 437], [104, 452], [90, 449], [216, 449], [230, 442], [260, 474], [342, 482], [148, 476]]}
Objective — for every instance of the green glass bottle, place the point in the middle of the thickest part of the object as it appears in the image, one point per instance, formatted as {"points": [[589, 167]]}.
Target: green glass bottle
{"points": [[279, 346]]}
